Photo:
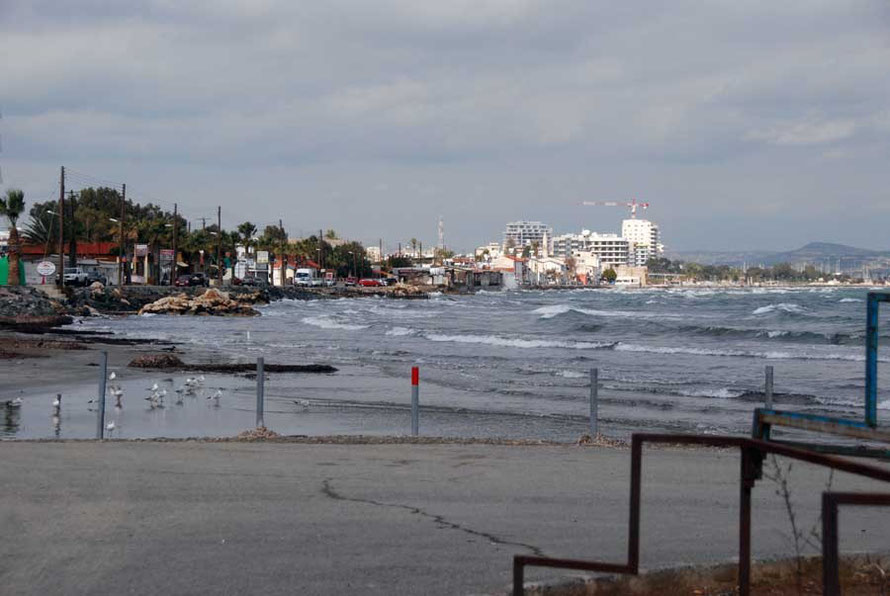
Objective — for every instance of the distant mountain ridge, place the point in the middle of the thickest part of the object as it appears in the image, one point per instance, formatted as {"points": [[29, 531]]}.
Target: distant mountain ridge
{"points": [[814, 253]]}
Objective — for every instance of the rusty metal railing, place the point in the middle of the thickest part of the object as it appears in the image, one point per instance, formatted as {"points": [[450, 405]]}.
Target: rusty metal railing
{"points": [[753, 452], [830, 559]]}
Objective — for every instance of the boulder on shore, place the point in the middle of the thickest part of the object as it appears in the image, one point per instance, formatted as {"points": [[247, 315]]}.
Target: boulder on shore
{"points": [[162, 361], [23, 307], [211, 302]]}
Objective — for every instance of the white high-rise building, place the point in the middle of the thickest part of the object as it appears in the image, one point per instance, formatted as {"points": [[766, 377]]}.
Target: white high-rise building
{"points": [[611, 249], [525, 233], [643, 238]]}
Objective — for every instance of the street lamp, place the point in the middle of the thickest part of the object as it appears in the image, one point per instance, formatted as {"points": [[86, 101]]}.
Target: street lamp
{"points": [[354, 268]]}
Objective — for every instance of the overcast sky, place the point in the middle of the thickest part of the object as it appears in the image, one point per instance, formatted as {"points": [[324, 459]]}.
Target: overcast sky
{"points": [[746, 125]]}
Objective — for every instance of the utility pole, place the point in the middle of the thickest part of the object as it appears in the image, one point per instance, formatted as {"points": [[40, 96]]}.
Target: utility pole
{"points": [[320, 250], [175, 226], [72, 240], [282, 261], [62, 228], [122, 256], [219, 274]]}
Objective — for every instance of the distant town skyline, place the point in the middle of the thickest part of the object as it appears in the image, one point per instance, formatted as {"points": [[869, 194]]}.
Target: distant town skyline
{"points": [[745, 125]]}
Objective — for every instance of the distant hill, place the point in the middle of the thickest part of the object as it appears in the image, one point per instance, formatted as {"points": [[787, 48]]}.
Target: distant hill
{"points": [[825, 254]]}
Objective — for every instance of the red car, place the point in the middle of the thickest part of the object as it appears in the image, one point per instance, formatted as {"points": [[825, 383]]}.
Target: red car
{"points": [[369, 283]]}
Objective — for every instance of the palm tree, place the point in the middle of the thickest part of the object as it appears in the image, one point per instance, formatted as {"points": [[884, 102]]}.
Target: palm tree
{"points": [[12, 206]]}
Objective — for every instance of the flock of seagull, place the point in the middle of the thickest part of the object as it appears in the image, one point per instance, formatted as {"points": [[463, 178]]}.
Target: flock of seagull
{"points": [[155, 398]]}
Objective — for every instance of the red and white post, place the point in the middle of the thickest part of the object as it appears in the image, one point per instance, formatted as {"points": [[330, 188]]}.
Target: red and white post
{"points": [[415, 401]]}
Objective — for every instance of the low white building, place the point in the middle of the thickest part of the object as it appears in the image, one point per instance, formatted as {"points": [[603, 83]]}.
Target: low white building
{"points": [[587, 267], [373, 253], [488, 252], [546, 270]]}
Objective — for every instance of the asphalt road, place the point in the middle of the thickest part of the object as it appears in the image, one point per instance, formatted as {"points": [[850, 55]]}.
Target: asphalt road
{"points": [[237, 518]]}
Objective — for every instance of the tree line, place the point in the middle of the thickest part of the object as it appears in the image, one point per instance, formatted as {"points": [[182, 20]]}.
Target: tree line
{"points": [[94, 215], [783, 272]]}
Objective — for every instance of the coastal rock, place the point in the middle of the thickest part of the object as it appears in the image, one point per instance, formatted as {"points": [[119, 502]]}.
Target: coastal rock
{"points": [[157, 361], [211, 302], [26, 307], [259, 433]]}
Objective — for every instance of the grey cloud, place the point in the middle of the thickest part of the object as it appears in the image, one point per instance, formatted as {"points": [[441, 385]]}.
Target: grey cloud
{"points": [[541, 103]]}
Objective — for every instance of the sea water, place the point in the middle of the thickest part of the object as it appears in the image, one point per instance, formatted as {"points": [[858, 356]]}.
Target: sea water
{"points": [[516, 363]]}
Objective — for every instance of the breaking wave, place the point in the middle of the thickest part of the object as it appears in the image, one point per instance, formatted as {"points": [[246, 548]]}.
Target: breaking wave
{"points": [[554, 310], [400, 331], [508, 342], [781, 307], [327, 322], [623, 347]]}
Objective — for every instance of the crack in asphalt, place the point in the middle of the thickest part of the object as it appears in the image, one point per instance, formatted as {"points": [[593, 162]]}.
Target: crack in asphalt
{"points": [[330, 492]]}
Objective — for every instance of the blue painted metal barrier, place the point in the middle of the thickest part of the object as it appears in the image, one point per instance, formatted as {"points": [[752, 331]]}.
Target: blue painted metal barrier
{"points": [[866, 429]]}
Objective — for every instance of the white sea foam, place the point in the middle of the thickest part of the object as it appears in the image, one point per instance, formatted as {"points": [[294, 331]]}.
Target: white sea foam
{"points": [[326, 322], [850, 300], [788, 307], [884, 405], [773, 355], [548, 312], [508, 342], [400, 331], [721, 393], [553, 310], [571, 374]]}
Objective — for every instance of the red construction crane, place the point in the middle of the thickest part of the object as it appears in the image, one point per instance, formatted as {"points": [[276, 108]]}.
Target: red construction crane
{"points": [[632, 204]]}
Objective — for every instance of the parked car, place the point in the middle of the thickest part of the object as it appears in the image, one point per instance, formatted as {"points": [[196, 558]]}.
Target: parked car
{"points": [[191, 279], [76, 276], [95, 275], [350, 281], [252, 280], [368, 282], [390, 281]]}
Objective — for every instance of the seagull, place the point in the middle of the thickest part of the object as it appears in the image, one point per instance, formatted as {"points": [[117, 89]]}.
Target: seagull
{"points": [[215, 397], [302, 402], [154, 387], [112, 376], [57, 403], [110, 427]]}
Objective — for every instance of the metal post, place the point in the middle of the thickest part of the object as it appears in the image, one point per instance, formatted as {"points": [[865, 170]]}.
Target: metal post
{"points": [[594, 402], [871, 360], [746, 483], [518, 578], [636, 479], [260, 391], [415, 401], [62, 229], [768, 387], [830, 580], [100, 414]]}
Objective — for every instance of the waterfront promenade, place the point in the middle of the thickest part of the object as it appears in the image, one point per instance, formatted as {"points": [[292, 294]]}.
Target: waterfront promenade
{"points": [[225, 517]]}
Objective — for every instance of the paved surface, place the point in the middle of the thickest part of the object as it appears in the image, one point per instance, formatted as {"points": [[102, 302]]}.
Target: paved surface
{"points": [[235, 518]]}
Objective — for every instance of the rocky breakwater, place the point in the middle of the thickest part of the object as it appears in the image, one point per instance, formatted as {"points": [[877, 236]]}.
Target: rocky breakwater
{"points": [[212, 302], [28, 309], [130, 299]]}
